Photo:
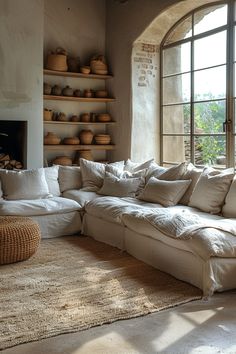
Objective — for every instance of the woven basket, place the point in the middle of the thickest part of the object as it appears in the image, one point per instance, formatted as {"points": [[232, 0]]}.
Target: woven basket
{"points": [[47, 114], [98, 67], [57, 61], [62, 160], [86, 154], [19, 238], [102, 139]]}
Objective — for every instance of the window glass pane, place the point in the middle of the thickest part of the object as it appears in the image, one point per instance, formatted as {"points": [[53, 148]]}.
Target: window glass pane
{"points": [[235, 42], [210, 18], [209, 117], [176, 89], [210, 83], [176, 59], [210, 150], [210, 51], [181, 31], [176, 119], [176, 148]]}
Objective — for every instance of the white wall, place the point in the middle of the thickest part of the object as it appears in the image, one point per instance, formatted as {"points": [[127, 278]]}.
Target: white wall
{"points": [[21, 63]]}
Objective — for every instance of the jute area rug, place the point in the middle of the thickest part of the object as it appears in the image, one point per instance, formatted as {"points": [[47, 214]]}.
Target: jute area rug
{"points": [[74, 283]]}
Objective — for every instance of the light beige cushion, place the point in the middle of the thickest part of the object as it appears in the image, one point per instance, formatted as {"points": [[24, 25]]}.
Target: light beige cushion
{"points": [[131, 166], [69, 178], [170, 174], [193, 174], [28, 184], [167, 193], [229, 209], [119, 187], [93, 174], [51, 175], [211, 189]]}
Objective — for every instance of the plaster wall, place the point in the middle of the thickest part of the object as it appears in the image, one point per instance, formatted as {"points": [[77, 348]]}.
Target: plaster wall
{"points": [[21, 63]]}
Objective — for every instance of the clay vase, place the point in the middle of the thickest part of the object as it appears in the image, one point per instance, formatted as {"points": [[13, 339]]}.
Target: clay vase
{"points": [[47, 89], [51, 139], [62, 117], [67, 91], [86, 137], [88, 93], [85, 117], [74, 118], [56, 90], [77, 93]]}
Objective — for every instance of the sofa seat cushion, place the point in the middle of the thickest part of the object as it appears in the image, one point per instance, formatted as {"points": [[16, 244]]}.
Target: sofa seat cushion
{"points": [[80, 196], [206, 239], [112, 208], [55, 205]]}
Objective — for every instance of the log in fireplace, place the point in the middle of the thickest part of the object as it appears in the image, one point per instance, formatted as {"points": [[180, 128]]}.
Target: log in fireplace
{"points": [[13, 144]]}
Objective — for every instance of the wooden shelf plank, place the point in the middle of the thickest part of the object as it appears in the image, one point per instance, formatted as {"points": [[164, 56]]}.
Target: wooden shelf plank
{"points": [[76, 75], [62, 147], [77, 99], [77, 123]]}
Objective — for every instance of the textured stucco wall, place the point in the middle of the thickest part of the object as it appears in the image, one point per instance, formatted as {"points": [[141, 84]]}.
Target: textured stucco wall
{"points": [[128, 24], [21, 63]]}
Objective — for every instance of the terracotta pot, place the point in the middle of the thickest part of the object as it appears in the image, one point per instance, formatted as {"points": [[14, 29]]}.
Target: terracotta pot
{"points": [[103, 117], [102, 139], [88, 93], [74, 118], [62, 117], [62, 160], [71, 141], [85, 117], [86, 154], [77, 93], [86, 137], [51, 139]]}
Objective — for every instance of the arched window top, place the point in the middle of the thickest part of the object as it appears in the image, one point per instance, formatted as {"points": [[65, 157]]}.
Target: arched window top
{"points": [[205, 19]]}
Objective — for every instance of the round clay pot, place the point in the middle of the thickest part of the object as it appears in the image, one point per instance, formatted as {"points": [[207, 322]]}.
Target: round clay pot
{"points": [[56, 90], [85, 117], [62, 117], [102, 139], [47, 89], [67, 91], [103, 117], [88, 93], [51, 139], [74, 118], [86, 154], [86, 137], [62, 160], [77, 93], [71, 141]]}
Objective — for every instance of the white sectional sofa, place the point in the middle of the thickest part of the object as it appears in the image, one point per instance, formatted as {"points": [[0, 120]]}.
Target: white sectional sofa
{"points": [[180, 220]]}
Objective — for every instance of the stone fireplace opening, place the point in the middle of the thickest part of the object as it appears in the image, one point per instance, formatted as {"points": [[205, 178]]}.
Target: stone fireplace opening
{"points": [[13, 144]]}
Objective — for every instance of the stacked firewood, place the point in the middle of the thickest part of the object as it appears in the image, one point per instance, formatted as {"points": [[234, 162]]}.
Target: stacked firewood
{"points": [[8, 164]]}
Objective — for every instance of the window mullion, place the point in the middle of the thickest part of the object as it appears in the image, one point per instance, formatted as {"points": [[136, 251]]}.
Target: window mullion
{"points": [[192, 98]]}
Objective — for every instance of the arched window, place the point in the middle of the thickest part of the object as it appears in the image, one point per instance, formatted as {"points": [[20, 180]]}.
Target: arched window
{"points": [[198, 58]]}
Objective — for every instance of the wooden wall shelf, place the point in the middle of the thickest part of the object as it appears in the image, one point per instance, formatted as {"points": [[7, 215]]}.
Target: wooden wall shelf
{"points": [[77, 99], [78, 123], [76, 75], [61, 147]]}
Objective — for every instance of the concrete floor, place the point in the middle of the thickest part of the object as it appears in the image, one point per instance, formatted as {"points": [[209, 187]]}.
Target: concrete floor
{"points": [[205, 326]]}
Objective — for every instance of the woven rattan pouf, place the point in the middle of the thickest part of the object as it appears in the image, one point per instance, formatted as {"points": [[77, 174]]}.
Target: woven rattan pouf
{"points": [[19, 238]]}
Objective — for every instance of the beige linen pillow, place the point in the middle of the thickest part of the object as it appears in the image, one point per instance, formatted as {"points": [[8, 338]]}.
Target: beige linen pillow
{"points": [[28, 184], [211, 189], [69, 178], [51, 175], [93, 174], [229, 209], [167, 193], [119, 187], [169, 174], [131, 166], [1, 193], [191, 173]]}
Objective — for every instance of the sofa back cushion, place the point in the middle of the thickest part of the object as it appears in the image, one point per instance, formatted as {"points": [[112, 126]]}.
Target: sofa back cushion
{"points": [[167, 193], [120, 187], [28, 184], [211, 189], [229, 209], [69, 178], [51, 175], [193, 174]]}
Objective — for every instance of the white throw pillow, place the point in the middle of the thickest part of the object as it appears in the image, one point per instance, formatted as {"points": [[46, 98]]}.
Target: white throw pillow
{"points": [[167, 193], [168, 174], [69, 178], [93, 174], [119, 187], [229, 209], [27, 184], [131, 166], [51, 175], [191, 173], [211, 189]]}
